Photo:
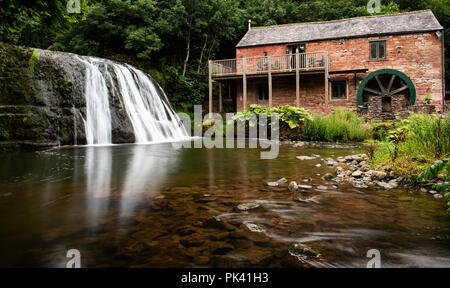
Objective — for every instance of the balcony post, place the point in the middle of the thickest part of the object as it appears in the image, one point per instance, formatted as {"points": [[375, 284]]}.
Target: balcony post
{"points": [[244, 84], [220, 97], [297, 79], [269, 69], [210, 83], [326, 80]]}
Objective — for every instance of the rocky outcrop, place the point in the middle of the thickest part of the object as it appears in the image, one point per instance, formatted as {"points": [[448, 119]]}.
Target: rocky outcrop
{"points": [[42, 102]]}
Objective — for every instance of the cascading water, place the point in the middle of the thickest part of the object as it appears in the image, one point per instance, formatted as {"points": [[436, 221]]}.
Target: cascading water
{"points": [[98, 115], [144, 102]]}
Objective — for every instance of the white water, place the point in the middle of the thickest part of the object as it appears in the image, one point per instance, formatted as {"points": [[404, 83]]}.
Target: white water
{"points": [[149, 112]]}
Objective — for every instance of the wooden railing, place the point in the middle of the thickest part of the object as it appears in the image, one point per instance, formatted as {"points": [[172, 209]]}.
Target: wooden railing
{"points": [[276, 63]]}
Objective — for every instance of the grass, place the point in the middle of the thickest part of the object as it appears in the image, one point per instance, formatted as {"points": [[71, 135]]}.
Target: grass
{"points": [[341, 126], [414, 144]]}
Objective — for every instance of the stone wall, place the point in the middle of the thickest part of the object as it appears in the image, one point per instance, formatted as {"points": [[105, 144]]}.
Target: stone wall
{"points": [[419, 56]]}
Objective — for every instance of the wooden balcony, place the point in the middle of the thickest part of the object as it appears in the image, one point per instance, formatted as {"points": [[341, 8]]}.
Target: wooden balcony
{"points": [[267, 66], [232, 68]]}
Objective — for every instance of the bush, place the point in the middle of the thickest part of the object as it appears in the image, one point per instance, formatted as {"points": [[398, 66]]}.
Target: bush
{"points": [[342, 126], [290, 115]]}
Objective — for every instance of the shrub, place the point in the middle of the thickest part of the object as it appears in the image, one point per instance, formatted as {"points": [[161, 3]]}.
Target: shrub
{"points": [[440, 170], [341, 125], [290, 115]]}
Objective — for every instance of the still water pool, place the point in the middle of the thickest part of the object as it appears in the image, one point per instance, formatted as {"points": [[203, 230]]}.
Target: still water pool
{"points": [[162, 206]]}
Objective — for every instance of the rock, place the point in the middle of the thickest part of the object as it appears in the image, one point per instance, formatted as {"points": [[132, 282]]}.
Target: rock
{"points": [[318, 165], [307, 180], [424, 190], [348, 158], [377, 175], [299, 144], [277, 183], [309, 199], [315, 155], [272, 184], [305, 158], [340, 159], [386, 185], [358, 184], [330, 162], [298, 249], [254, 227], [437, 196], [432, 192], [357, 173], [305, 187], [293, 187], [248, 206], [335, 186], [327, 176], [322, 187]]}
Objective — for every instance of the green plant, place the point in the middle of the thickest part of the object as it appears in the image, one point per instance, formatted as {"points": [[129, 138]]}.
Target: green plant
{"points": [[34, 59], [342, 125], [427, 98], [290, 115], [440, 170], [396, 137]]}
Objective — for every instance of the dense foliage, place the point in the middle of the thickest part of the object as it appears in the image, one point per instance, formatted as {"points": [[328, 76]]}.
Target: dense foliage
{"points": [[290, 115], [416, 142], [173, 39]]}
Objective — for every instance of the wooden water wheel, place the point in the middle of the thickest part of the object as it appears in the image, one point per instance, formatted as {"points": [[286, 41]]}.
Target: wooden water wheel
{"points": [[386, 83]]}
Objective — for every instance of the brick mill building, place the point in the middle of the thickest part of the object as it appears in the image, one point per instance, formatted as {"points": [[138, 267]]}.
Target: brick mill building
{"points": [[382, 66]]}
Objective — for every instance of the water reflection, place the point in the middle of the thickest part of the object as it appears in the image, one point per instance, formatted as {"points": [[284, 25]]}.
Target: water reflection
{"points": [[98, 165], [146, 174]]}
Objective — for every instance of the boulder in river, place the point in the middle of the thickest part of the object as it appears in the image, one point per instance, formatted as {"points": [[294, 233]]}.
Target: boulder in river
{"points": [[293, 187], [304, 187], [248, 206], [299, 249]]}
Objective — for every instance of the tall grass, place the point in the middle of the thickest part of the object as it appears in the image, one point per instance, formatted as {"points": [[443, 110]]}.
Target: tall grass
{"points": [[341, 126], [427, 139]]}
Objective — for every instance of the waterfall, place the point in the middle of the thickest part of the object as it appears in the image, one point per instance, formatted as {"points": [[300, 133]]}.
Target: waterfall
{"points": [[98, 115], [145, 103]]}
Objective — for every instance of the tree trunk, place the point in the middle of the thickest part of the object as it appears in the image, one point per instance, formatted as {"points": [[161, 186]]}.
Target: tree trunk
{"points": [[188, 48], [210, 48], [201, 54]]}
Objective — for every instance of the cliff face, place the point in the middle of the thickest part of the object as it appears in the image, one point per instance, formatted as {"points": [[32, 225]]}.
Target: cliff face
{"points": [[42, 102]]}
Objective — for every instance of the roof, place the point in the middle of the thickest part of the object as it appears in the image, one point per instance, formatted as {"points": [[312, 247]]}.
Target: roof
{"points": [[403, 23]]}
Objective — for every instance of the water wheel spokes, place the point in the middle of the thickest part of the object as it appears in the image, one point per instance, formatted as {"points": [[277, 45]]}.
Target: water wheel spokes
{"points": [[386, 83]]}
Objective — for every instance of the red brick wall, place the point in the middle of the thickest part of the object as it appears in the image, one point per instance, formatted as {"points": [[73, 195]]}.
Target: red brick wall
{"points": [[420, 59]]}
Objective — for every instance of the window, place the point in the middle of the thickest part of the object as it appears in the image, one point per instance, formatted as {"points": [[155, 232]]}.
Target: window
{"points": [[263, 92], [339, 89], [377, 50]]}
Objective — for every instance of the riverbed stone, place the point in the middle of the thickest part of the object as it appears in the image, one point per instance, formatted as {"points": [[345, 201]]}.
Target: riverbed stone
{"points": [[377, 175], [327, 176], [305, 158], [299, 249], [248, 206], [305, 187], [437, 196], [293, 187], [254, 227], [322, 187], [357, 173]]}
